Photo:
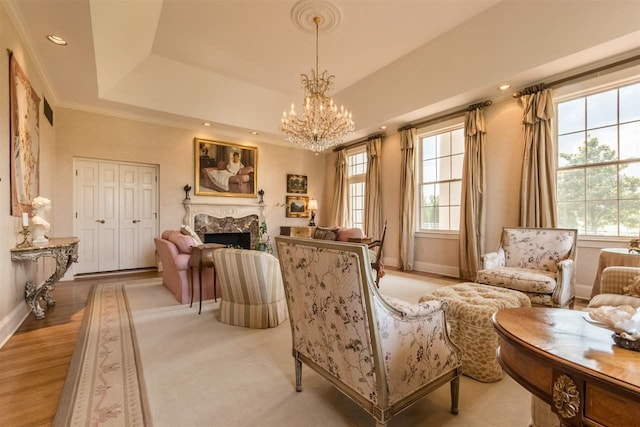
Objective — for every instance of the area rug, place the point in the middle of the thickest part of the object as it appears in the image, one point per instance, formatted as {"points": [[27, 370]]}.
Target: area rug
{"points": [[192, 370]]}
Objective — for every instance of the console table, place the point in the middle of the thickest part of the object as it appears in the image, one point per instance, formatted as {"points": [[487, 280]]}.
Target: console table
{"points": [[570, 364], [64, 251]]}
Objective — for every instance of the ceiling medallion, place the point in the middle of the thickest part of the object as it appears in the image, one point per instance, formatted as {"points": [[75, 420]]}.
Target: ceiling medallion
{"points": [[321, 124]]}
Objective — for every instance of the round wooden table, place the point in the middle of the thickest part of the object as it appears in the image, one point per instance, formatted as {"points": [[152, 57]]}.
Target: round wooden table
{"points": [[570, 364]]}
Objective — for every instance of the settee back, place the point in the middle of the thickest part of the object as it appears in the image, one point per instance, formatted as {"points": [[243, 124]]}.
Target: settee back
{"points": [[538, 248]]}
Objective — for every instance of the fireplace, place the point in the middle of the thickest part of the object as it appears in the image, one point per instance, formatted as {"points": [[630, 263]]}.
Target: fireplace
{"points": [[216, 218], [240, 240]]}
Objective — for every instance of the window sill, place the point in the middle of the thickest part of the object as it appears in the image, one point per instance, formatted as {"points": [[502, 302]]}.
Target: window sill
{"points": [[443, 235], [602, 241]]}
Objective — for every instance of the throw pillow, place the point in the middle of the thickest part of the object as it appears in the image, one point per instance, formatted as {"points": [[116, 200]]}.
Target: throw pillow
{"points": [[186, 230], [183, 242], [633, 290], [325, 233]]}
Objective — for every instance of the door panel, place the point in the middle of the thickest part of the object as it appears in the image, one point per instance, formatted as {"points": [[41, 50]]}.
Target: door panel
{"points": [[87, 173], [108, 212], [128, 217]]}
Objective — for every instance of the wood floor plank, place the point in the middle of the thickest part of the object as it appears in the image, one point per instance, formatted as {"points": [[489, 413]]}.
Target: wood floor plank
{"points": [[34, 362]]}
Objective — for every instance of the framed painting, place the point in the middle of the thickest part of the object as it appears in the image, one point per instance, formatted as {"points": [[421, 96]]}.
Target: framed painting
{"points": [[297, 184], [297, 206], [225, 169]]}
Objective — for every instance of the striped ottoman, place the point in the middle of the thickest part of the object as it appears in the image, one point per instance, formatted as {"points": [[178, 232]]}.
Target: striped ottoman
{"points": [[471, 306]]}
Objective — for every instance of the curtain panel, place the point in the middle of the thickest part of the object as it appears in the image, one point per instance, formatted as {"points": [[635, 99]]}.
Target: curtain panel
{"points": [[340, 213], [538, 189], [373, 190], [407, 197], [472, 206]]}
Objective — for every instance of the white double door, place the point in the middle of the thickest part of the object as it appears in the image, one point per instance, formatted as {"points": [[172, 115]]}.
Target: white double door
{"points": [[116, 215]]}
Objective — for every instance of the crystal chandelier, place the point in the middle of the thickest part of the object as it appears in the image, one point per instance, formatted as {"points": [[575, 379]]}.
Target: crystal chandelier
{"points": [[321, 125]]}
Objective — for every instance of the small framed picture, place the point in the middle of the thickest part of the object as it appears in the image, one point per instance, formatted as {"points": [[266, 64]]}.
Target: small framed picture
{"points": [[297, 207], [297, 184]]}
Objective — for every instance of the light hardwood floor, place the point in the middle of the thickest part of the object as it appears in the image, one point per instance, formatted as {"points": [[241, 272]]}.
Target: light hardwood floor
{"points": [[35, 360]]}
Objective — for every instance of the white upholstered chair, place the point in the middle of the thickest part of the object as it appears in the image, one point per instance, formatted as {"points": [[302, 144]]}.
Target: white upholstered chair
{"points": [[251, 288], [537, 261], [383, 353]]}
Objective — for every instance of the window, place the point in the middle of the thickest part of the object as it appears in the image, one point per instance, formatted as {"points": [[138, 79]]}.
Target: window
{"points": [[441, 157], [598, 162], [357, 174]]}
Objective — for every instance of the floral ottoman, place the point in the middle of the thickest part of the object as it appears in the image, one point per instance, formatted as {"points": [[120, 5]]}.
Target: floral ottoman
{"points": [[471, 306]]}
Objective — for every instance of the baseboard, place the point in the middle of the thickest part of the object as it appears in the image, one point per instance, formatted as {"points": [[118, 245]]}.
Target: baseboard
{"points": [[583, 291], [10, 324], [443, 270]]}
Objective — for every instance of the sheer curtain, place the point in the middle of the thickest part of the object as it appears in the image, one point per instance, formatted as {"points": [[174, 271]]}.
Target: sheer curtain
{"points": [[340, 213], [472, 207], [407, 197], [538, 190], [373, 190]]}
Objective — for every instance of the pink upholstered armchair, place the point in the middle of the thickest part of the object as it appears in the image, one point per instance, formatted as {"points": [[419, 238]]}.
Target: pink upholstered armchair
{"points": [[174, 250]]}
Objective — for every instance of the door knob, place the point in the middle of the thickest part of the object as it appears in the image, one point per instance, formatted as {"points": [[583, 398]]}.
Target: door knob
{"points": [[101, 221], [135, 221]]}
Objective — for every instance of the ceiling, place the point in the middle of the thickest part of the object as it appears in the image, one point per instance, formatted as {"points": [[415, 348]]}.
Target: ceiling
{"points": [[237, 63]]}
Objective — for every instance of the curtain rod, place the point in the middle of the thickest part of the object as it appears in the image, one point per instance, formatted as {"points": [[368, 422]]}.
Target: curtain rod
{"points": [[577, 76], [359, 141], [446, 116]]}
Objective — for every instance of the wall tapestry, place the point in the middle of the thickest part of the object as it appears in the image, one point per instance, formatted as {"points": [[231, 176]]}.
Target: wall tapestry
{"points": [[25, 139]]}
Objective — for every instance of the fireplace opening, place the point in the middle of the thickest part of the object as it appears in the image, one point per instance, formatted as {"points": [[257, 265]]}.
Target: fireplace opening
{"points": [[241, 240]]}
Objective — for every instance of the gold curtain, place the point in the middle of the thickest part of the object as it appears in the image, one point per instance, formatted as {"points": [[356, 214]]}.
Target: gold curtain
{"points": [[373, 190], [538, 190], [407, 197], [340, 213], [472, 206]]}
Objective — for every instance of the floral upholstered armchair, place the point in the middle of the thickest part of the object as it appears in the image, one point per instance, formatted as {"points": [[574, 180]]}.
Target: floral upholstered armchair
{"points": [[537, 261], [383, 353]]}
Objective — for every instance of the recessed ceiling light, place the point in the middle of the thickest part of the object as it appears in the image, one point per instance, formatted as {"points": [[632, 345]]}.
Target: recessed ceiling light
{"points": [[254, 133], [206, 124], [504, 87], [57, 40], [383, 127]]}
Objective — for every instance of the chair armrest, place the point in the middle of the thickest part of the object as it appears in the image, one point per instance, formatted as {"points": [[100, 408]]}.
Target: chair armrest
{"points": [[408, 310], [493, 259], [415, 345], [374, 244], [613, 279], [565, 283]]}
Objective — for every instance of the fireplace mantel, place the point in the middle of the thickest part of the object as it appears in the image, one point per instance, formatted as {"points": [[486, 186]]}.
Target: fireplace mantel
{"points": [[220, 210]]}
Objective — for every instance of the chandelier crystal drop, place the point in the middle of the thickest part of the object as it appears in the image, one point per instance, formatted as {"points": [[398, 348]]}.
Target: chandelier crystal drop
{"points": [[322, 124]]}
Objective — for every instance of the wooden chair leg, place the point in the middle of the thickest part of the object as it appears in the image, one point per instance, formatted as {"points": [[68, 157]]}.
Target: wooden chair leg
{"points": [[298, 363], [455, 394], [190, 277]]}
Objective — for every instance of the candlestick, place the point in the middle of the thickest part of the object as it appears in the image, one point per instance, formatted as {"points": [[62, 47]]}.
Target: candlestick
{"points": [[25, 237]]}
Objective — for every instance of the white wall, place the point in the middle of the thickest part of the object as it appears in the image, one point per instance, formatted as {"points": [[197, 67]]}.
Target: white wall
{"points": [[15, 274], [90, 135]]}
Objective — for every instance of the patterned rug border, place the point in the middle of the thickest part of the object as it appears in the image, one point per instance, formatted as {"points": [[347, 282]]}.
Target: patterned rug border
{"points": [[98, 391]]}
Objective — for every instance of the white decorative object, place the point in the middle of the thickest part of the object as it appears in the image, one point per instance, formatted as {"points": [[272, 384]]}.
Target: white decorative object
{"points": [[40, 225]]}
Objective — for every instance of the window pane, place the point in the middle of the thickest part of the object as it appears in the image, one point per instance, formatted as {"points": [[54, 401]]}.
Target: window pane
{"points": [[571, 149], [456, 166], [602, 219], [429, 171], [571, 185], [456, 192], [630, 103], [630, 218], [442, 190], [602, 183], [443, 219], [457, 141], [602, 109], [607, 145], [630, 141], [444, 168], [572, 215], [455, 218], [429, 148], [429, 195], [444, 144], [571, 116], [630, 181], [429, 218]]}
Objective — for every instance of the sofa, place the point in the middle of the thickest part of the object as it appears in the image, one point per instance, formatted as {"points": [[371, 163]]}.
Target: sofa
{"points": [[174, 250]]}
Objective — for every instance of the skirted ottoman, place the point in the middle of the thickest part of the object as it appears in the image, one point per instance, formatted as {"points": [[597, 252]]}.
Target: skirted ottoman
{"points": [[471, 306]]}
